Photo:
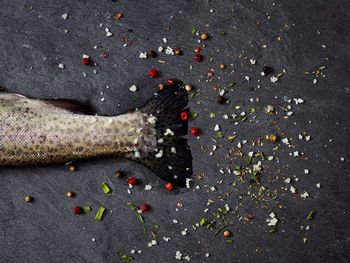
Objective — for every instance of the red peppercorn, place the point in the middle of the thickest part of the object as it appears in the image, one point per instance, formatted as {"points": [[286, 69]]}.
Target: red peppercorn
{"points": [[78, 210], [132, 180], [184, 115], [169, 186], [170, 82], [195, 131], [144, 207], [86, 61], [197, 57], [197, 49], [153, 73]]}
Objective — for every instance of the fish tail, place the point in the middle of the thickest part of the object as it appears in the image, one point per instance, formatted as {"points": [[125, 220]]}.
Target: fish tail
{"points": [[172, 158]]}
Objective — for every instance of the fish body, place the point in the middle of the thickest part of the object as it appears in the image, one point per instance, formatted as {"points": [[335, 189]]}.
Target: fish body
{"points": [[36, 131]]}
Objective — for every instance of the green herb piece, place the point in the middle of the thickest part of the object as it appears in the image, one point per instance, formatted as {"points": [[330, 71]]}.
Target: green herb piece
{"points": [[311, 215], [238, 168], [204, 149], [195, 94], [87, 209], [252, 110], [124, 257], [106, 189], [140, 218], [231, 138], [203, 221], [132, 206], [244, 118], [99, 214], [273, 230], [194, 30], [212, 115], [231, 84], [219, 134], [222, 33], [194, 115], [230, 241], [255, 177]]}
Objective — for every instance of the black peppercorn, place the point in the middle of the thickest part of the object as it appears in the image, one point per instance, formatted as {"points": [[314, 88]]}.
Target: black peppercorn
{"points": [[221, 100], [267, 70]]}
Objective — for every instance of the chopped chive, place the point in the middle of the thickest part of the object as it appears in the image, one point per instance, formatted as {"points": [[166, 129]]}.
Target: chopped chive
{"points": [[194, 30], [203, 221], [106, 189], [212, 115], [140, 218], [230, 241], [311, 215], [124, 257], [231, 84], [231, 138], [99, 214], [87, 209], [252, 110], [219, 134], [194, 115]]}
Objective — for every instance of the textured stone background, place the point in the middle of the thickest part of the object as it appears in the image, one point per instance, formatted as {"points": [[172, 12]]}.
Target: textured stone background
{"points": [[33, 43]]}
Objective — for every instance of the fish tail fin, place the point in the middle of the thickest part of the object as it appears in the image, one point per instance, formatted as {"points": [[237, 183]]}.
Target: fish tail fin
{"points": [[172, 158]]}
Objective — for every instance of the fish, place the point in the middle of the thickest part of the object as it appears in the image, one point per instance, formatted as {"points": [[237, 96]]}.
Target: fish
{"points": [[48, 131]]}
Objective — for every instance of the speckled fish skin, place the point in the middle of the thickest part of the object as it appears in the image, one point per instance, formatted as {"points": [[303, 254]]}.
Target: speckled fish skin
{"points": [[35, 132]]}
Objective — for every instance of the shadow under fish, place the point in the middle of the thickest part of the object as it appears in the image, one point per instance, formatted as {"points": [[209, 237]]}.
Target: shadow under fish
{"points": [[37, 131]]}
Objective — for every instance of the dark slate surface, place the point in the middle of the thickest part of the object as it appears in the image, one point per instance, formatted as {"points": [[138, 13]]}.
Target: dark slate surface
{"points": [[33, 43]]}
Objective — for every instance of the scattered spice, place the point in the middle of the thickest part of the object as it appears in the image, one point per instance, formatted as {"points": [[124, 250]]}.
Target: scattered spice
{"points": [[132, 181], [184, 115], [72, 168], [144, 207], [118, 174], [204, 36], [227, 233], [70, 194], [153, 73], [106, 189], [99, 214], [188, 87], [178, 52], [78, 210], [195, 131], [169, 186], [124, 257], [117, 16], [221, 100], [161, 86], [197, 57], [28, 198], [311, 215]]}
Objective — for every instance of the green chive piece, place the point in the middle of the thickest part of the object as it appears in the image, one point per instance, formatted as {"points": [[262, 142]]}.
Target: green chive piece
{"points": [[124, 257], [87, 209], [252, 110], [106, 189], [203, 221], [311, 215], [212, 115], [140, 218], [99, 214], [231, 138], [230, 241], [194, 30], [194, 115], [231, 85], [219, 134]]}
